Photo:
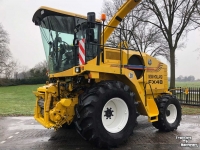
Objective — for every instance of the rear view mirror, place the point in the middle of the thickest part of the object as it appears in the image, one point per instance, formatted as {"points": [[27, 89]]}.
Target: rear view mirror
{"points": [[75, 41], [91, 19], [76, 29]]}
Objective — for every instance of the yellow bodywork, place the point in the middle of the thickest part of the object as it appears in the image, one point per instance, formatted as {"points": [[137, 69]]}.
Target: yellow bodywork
{"points": [[155, 80]]}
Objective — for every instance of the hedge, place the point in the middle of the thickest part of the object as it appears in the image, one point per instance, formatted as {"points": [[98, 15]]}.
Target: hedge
{"points": [[29, 81]]}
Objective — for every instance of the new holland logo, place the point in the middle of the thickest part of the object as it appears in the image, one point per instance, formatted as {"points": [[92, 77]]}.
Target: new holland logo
{"points": [[149, 62]]}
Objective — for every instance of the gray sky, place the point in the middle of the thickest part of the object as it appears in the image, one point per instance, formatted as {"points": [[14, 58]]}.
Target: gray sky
{"points": [[26, 43]]}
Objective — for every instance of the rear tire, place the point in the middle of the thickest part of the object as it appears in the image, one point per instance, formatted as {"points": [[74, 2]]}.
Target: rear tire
{"points": [[169, 113], [106, 114]]}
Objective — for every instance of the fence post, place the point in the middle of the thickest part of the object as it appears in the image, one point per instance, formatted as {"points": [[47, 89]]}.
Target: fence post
{"points": [[198, 93], [199, 96], [187, 96], [192, 94], [180, 95], [195, 96]]}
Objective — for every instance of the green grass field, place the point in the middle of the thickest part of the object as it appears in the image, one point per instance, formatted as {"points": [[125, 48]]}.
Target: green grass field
{"points": [[188, 84], [19, 100]]}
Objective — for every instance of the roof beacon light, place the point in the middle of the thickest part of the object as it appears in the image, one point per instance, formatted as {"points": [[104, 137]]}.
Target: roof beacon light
{"points": [[103, 17]]}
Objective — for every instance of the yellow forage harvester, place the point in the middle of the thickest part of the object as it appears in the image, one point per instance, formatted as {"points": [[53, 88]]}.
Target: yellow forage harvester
{"points": [[98, 89]]}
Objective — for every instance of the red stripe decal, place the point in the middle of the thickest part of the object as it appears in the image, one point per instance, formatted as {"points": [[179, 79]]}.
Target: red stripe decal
{"points": [[81, 59], [81, 48]]}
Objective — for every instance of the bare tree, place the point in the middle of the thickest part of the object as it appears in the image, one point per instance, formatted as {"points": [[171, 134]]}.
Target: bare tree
{"points": [[196, 15], [173, 19], [5, 54], [148, 38], [16, 75], [7, 64], [10, 69], [24, 72], [39, 70], [41, 65]]}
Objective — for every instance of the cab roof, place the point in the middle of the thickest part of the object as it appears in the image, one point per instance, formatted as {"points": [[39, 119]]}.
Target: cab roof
{"points": [[44, 11]]}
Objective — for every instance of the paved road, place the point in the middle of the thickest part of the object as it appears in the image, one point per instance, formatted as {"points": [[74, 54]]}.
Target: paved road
{"points": [[18, 133]]}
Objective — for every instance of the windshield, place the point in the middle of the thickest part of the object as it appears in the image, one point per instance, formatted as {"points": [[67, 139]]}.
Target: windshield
{"points": [[57, 35]]}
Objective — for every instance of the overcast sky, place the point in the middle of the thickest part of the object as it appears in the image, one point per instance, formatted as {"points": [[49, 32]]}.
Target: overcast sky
{"points": [[25, 39]]}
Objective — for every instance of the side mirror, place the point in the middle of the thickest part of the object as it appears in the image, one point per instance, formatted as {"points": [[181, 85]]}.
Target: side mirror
{"points": [[90, 35], [76, 29], [91, 19], [75, 41]]}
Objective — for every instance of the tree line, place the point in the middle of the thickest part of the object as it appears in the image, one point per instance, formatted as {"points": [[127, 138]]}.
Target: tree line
{"points": [[24, 76], [182, 78], [190, 78]]}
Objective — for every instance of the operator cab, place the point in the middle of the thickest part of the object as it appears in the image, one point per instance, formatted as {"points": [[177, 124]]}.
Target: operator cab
{"points": [[69, 39]]}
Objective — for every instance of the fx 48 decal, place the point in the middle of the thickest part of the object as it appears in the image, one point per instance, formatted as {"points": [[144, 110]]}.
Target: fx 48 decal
{"points": [[155, 81]]}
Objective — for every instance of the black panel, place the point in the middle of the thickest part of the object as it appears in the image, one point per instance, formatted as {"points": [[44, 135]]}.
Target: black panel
{"points": [[118, 18], [136, 60]]}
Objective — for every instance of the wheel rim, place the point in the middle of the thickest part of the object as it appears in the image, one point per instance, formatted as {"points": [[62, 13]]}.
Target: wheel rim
{"points": [[115, 115], [171, 113]]}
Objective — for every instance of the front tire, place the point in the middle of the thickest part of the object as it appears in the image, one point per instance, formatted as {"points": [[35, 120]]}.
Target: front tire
{"points": [[106, 114], [169, 113], [66, 126]]}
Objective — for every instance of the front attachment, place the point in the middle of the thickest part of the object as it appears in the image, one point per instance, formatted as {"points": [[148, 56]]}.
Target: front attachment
{"points": [[53, 110]]}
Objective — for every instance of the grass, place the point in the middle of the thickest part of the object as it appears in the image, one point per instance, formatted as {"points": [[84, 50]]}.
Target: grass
{"points": [[20, 101], [188, 84], [17, 100], [190, 110]]}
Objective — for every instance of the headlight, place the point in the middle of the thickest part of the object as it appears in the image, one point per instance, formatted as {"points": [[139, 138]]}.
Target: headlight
{"points": [[77, 69]]}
